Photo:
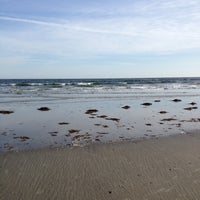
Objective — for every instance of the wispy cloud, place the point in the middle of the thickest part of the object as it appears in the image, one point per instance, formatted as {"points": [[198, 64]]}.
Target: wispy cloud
{"points": [[93, 30], [113, 35], [65, 26]]}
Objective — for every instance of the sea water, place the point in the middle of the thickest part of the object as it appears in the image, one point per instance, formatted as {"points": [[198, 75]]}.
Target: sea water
{"points": [[12, 90], [69, 99]]}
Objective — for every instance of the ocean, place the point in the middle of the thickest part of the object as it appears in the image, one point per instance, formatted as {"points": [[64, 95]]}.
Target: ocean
{"points": [[84, 89], [122, 109]]}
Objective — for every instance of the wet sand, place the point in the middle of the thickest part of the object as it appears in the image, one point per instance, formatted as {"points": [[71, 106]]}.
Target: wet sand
{"points": [[164, 168], [37, 125]]}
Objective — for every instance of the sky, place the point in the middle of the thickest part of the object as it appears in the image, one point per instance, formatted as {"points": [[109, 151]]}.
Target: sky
{"points": [[99, 38]]}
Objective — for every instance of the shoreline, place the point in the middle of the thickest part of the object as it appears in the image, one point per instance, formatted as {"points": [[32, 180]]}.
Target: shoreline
{"points": [[161, 168], [32, 126], [120, 141]]}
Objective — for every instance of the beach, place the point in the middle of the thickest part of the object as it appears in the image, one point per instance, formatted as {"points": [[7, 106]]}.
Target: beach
{"points": [[163, 168], [99, 139], [100, 100], [37, 125]]}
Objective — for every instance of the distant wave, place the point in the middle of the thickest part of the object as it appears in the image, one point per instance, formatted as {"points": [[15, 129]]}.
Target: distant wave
{"points": [[66, 88]]}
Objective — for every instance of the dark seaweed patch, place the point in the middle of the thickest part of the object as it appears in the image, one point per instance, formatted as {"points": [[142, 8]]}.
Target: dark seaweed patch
{"points": [[53, 133], [168, 119], [113, 119], [126, 107], [163, 112], [191, 108], [146, 104], [6, 112], [22, 138], [44, 109], [91, 111], [74, 131], [63, 123], [192, 103], [176, 100]]}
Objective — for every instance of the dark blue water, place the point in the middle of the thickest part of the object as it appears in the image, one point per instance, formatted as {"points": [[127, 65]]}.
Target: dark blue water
{"points": [[12, 90], [98, 82]]}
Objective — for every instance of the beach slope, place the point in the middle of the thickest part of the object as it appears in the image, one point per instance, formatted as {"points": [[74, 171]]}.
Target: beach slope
{"points": [[164, 168]]}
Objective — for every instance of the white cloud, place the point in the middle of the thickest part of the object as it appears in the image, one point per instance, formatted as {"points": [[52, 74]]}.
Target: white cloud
{"points": [[143, 27]]}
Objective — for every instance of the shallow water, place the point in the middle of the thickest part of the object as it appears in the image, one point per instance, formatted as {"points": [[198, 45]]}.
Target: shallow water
{"points": [[69, 99], [138, 122]]}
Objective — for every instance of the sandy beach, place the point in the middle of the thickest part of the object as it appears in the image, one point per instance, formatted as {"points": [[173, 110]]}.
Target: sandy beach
{"points": [[110, 141], [163, 168], [100, 100]]}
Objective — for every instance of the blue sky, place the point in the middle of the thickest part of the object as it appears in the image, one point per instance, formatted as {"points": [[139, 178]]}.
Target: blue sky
{"points": [[99, 39]]}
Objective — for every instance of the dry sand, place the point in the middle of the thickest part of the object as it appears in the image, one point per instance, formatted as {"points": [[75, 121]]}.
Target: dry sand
{"points": [[166, 168]]}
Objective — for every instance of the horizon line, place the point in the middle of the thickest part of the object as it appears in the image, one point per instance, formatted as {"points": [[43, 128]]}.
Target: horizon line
{"points": [[102, 78]]}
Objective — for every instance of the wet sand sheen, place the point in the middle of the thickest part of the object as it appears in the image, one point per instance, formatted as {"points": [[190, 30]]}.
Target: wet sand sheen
{"points": [[164, 168]]}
